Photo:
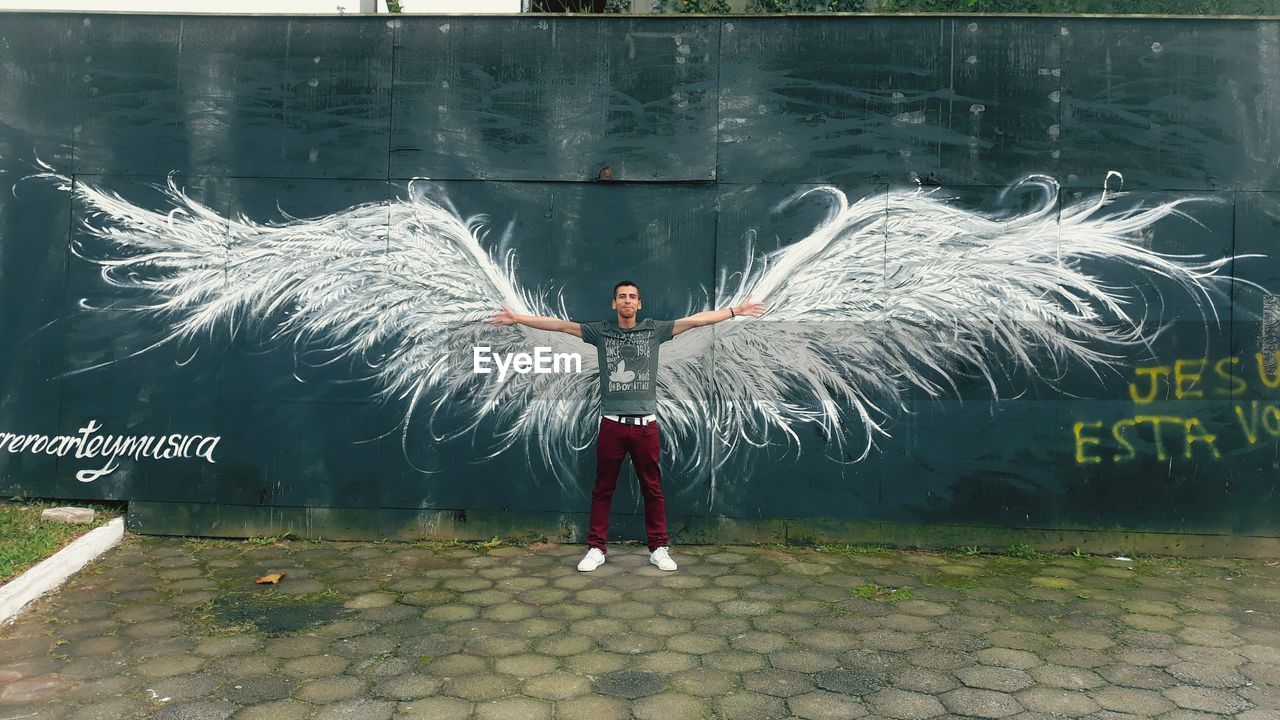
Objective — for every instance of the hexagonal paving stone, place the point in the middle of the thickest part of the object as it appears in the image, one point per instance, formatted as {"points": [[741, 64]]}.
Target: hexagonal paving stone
{"points": [[407, 687], [435, 708], [760, 642], [989, 677], [974, 702], [596, 663], [749, 706], [1136, 676], [848, 682], [481, 687], [1209, 638], [557, 686], [826, 706], [170, 665], [35, 689], [314, 666], [1083, 639], [276, 710], [294, 647], [1206, 675], [525, 666], [516, 708], [778, 683], [185, 687], [731, 661], [1005, 657], [802, 661], [1078, 657], [1265, 673], [1145, 703], [904, 705], [329, 689], [358, 709], [1054, 701], [227, 645], [1210, 700], [1223, 657], [593, 707], [1067, 678], [498, 646], [254, 689], [923, 680], [695, 643], [630, 684], [669, 706], [703, 682]]}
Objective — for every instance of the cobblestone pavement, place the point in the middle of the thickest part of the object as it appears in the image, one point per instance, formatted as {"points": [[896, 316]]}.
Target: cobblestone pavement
{"points": [[175, 628]]}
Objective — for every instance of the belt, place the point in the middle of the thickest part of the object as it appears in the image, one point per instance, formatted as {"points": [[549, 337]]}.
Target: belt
{"points": [[632, 419]]}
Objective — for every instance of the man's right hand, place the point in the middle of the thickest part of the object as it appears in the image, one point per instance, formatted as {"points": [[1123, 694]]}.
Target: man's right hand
{"points": [[506, 317]]}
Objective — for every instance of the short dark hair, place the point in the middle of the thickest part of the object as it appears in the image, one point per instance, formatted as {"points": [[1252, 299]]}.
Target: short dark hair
{"points": [[623, 284]]}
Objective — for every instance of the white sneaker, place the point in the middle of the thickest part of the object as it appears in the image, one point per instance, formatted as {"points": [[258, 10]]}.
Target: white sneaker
{"points": [[593, 560], [662, 558]]}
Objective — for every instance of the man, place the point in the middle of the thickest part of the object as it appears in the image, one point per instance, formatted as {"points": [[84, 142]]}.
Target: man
{"points": [[628, 361]]}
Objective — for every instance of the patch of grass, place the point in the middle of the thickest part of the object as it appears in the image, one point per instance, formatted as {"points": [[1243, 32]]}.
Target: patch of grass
{"points": [[1025, 552], [1147, 565], [954, 582], [490, 544], [855, 549], [25, 539], [880, 593]]}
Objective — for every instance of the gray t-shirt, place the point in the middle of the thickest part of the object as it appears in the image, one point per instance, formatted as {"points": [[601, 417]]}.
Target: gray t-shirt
{"points": [[628, 360]]}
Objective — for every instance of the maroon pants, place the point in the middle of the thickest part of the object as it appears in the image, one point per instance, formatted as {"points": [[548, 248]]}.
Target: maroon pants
{"points": [[644, 444]]}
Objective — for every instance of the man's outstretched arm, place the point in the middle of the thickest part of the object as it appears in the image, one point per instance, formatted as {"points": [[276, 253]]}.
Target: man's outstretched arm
{"points": [[711, 317], [510, 317]]}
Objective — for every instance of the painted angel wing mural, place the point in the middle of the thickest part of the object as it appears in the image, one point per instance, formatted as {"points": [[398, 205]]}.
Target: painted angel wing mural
{"points": [[404, 288], [894, 291], [902, 290]]}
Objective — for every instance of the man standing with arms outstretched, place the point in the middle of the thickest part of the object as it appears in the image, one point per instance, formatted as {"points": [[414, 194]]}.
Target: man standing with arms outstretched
{"points": [[628, 361]]}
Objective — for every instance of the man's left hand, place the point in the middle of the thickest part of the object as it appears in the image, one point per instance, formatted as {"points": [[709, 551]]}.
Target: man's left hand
{"points": [[753, 309]]}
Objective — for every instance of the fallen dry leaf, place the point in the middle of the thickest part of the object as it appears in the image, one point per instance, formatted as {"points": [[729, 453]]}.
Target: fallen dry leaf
{"points": [[272, 578]]}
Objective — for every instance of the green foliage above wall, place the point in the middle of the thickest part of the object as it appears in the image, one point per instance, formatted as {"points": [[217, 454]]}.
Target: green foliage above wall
{"points": [[1135, 7], [805, 6], [775, 7], [697, 7]]}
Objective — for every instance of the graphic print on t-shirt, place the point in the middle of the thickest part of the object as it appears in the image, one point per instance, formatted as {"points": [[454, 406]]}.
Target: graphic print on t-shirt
{"points": [[628, 359]]}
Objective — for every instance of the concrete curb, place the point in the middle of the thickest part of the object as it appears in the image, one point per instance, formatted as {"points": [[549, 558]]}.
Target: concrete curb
{"points": [[52, 572]]}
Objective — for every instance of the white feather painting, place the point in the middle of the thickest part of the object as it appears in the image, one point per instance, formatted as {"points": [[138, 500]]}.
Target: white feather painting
{"points": [[892, 293]]}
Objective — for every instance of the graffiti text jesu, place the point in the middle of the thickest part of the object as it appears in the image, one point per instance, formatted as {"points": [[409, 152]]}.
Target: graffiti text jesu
{"points": [[1195, 379], [1177, 435]]}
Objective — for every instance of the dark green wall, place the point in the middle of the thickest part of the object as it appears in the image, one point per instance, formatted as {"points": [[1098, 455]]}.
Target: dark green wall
{"points": [[707, 125]]}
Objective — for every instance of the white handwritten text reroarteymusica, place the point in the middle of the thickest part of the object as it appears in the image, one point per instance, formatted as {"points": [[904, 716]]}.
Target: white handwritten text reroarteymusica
{"points": [[88, 444]]}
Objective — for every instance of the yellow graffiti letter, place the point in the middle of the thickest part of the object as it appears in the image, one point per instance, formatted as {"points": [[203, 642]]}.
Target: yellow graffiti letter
{"points": [[1118, 430], [1155, 421], [1250, 428], [1271, 420], [1155, 373], [1082, 442], [1202, 436], [1238, 385], [1183, 374], [1271, 382]]}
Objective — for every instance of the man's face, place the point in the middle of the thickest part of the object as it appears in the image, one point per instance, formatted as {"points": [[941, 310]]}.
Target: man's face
{"points": [[626, 300]]}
